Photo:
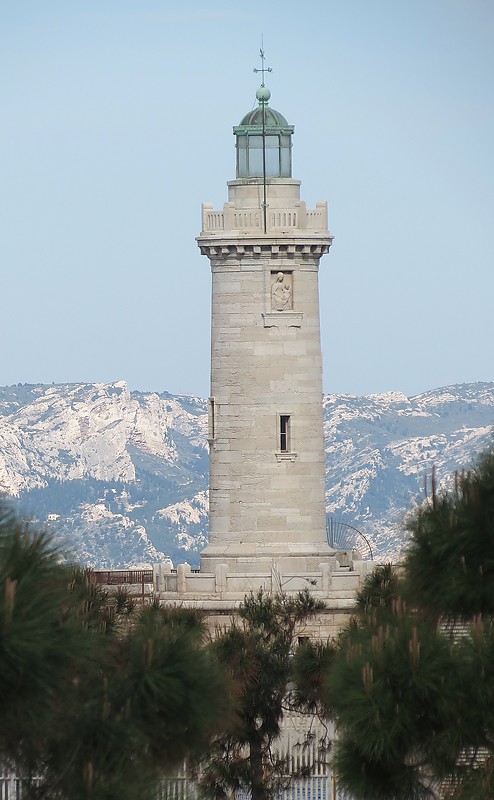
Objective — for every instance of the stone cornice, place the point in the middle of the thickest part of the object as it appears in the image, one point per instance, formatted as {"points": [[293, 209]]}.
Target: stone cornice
{"points": [[257, 248]]}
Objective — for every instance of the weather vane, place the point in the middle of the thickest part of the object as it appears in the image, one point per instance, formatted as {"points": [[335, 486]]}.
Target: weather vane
{"points": [[263, 68]]}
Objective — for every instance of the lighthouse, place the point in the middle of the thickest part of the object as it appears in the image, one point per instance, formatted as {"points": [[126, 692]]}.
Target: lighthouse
{"points": [[267, 466]]}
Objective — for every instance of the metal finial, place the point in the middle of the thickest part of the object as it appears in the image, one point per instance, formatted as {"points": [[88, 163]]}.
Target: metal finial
{"points": [[263, 68]]}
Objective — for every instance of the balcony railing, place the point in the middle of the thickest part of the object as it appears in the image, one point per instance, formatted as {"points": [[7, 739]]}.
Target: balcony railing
{"points": [[123, 577], [290, 219]]}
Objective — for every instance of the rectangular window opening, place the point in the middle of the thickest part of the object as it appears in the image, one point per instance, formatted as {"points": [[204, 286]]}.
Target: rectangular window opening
{"points": [[284, 433], [211, 420]]}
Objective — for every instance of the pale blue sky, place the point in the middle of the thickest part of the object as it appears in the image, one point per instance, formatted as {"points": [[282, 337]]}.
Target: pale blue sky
{"points": [[117, 123]]}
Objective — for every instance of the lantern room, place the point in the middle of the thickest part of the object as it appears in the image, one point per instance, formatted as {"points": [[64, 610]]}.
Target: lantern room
{"points": [[264, 142]]}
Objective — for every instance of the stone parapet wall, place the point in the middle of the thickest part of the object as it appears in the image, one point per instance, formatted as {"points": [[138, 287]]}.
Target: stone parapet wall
{"points": [[291, 218], [220, 593]]}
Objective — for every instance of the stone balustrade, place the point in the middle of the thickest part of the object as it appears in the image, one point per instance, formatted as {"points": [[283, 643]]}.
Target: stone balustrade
{"points": [[291, 219], [335, 580]]}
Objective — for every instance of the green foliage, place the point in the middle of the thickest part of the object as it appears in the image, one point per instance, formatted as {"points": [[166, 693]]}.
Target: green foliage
{"points": [[410, 688], [394, 696], [380, 590], [97, 696], [311, 663], [257, 652], [450, 562], [39, 638]]}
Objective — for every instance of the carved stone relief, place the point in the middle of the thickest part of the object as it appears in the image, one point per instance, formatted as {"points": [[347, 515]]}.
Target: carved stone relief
{"points": [[281, 291]]}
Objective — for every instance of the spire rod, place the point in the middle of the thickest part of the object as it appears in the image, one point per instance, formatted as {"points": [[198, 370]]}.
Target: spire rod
{"points": [[263, 68], [263, 106]]}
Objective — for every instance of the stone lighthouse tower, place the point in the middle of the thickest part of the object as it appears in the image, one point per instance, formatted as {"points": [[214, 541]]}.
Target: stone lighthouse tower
{"points": [[267, 465]]}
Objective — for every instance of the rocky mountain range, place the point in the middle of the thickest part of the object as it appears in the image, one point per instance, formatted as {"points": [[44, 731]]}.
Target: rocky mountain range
{"points": [[120, 476]]}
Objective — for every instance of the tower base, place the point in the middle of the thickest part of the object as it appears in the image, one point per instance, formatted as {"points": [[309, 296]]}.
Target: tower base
{"points": [[249, 558]]}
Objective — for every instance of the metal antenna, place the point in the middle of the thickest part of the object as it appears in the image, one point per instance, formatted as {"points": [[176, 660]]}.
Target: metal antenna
{"points": [[263, 106]]}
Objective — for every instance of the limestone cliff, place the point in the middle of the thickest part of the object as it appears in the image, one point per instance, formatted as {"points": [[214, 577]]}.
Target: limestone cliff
{"points": [[121, 476]]}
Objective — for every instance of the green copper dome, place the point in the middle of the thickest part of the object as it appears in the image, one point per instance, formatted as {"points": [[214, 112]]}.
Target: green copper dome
{"points": [[273, 119]]}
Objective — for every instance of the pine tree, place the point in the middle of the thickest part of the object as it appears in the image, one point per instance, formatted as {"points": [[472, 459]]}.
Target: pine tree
{"points": [[411, 683], [257, 651], [98, 698]]}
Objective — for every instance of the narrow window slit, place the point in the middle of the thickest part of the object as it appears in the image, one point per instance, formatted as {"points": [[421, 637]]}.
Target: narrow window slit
{"points": [[284, 433]]}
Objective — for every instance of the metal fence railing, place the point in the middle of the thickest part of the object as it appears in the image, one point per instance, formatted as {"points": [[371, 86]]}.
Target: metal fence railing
{"points": [[123, 577]]}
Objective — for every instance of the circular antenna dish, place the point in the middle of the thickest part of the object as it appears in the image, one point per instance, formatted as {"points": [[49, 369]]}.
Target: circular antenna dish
{"points": [[344, 537]]}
